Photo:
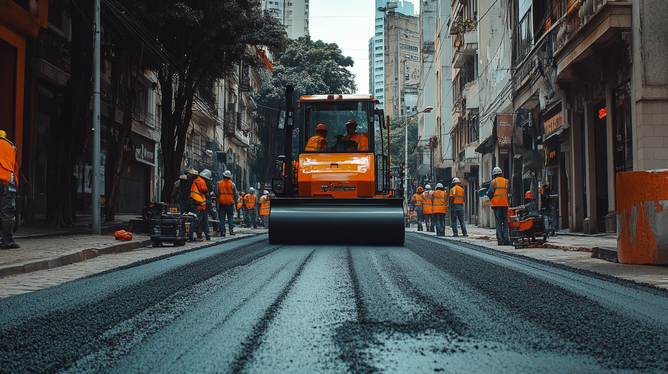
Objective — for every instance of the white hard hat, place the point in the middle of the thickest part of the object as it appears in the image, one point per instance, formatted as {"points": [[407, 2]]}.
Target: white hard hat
{"points": [[227, 174], [206, 173], [439, 185], [427, 187], [251, 190], [496, 170], [265, 192], [456, 180]]}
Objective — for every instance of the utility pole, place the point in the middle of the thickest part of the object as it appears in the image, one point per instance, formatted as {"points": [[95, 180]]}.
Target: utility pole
{"points": [[95, 189]]}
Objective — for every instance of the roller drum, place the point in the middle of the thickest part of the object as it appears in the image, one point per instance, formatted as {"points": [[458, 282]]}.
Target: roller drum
{"points": [[356, 221]]}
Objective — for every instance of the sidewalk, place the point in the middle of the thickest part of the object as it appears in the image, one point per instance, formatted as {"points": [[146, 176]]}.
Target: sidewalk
{"points": [[597, 253], [45, 248]]}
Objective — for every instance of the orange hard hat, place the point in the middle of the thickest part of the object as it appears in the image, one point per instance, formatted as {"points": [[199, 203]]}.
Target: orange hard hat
{"points": [[321, 127], [420, 189], [527, 195], [351, 122]]}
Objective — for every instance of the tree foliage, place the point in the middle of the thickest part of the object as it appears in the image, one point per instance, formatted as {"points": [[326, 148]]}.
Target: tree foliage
{"points": [[398, 143], [312, 67], [199, 40]]}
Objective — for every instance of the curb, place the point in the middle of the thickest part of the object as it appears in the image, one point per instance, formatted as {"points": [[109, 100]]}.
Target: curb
{"points": [[71, 258], [608, 254]]}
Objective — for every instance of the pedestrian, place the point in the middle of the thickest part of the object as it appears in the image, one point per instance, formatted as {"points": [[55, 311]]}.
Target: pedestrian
{"points": [[417, 201], [264, 209], [427, 208], [439, 209], [9, 172], [548, 208], [498, 193], [227, 193], [249, 203], [457, 207], [198, 197]]}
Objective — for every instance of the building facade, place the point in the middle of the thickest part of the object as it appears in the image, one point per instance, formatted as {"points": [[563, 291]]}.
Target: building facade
{"points": [[293, 14]]}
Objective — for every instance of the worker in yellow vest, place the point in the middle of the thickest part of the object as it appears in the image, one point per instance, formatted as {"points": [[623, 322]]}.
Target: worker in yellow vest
{"points": [[417, 201], [264, 209], [439, 209], [427, 208], [457, 207], [498, 193]]}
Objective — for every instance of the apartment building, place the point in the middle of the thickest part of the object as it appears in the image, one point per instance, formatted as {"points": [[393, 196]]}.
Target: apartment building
{"points": [[293, 14]]}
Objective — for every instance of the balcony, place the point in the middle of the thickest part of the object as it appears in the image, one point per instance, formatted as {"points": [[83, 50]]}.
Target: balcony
{"points": [[465, 46]]}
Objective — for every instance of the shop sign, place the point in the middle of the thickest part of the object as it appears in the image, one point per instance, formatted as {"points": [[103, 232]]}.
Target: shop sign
{"points": [[504, 130], [144, 149], [552, 121]]}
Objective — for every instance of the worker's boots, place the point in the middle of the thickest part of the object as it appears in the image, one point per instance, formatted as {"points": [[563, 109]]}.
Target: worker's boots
{"points": [[231, 232], [222, 232]]}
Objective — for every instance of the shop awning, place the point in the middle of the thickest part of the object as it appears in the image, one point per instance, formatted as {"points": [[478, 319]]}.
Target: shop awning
{"points": [[487, 145]]}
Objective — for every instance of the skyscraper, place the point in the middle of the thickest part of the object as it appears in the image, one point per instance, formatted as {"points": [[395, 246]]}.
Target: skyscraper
{"points": [[293, 14], [377, 45]]}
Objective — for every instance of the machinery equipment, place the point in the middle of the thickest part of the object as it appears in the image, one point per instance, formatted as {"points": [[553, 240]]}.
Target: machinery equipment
{"points": [[339, 193], [527, 228]]}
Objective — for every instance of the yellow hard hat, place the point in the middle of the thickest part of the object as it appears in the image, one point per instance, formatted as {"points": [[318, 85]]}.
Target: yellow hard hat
{"points": [[3, 134]]}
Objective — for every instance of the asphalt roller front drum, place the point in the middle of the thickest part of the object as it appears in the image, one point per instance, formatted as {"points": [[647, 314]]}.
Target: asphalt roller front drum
{"points": [[356, 221]]}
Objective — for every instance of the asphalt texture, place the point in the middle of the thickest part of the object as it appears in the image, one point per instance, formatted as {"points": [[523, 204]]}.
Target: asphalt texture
{"points": [[246, 306]]}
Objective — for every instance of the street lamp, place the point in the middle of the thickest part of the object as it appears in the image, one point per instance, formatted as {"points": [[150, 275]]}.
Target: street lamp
{"points": [[405, 181]]}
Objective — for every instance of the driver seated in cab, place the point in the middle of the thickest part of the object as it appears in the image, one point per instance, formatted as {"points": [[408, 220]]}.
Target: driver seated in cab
{"points": [[318, 142], [354, 141]]}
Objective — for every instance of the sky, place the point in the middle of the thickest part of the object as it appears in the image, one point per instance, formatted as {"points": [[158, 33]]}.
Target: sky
{"points": [[350, 24]]}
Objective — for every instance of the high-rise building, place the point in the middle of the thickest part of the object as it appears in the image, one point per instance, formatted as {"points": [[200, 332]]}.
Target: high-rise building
{"points": [[293, 14], [377, 45]]}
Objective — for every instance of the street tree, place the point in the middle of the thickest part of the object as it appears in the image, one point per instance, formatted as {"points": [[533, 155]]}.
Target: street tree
{"points": [[199, 41], [312, 67], [398, 143]]}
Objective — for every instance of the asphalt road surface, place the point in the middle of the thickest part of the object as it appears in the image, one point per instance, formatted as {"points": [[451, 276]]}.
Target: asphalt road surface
{"points": [[250, 307]]}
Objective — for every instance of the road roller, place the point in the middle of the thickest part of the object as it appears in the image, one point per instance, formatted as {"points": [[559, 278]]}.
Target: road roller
{"points": [[334, 187]]}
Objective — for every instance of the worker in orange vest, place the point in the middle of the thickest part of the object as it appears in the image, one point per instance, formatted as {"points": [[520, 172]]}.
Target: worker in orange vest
{"points": [[227, 191], [417, 201], [427, 208], [354, 141], [457, 207], [249, 203], [264, 209], [199, 194], [498, 193], [240, 204], [9, 174], [439, 209]]}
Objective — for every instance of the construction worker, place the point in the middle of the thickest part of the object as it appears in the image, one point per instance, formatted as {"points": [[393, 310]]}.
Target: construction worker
{"points": [[354, 141], [498, 193], [439, 209], [318, 142], [227, 191], [417, 201], [457, 207], [198, 197], [529, 205], [240, 204], [249, 203], [264, 209], [427, 208], [9, 173]]}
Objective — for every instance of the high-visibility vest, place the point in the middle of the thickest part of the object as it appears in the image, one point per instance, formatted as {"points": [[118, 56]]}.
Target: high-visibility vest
{"points": [[198, 193], [457, 193], [316, 143], [439, 202], [361, 142], [9, 169], [500, 192], [240, 202], [427, 202], [226, 192], [249, 201], [264, 205], [418, 200]]}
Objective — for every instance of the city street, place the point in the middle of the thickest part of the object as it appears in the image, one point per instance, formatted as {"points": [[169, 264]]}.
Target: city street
{"points": [[246, 306]]}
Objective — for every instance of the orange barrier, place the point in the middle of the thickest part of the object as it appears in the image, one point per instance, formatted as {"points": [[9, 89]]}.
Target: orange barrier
{"points": [[642, 217]]}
